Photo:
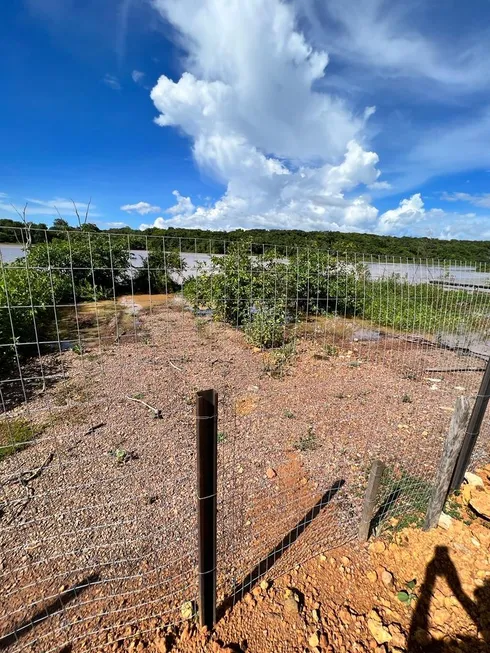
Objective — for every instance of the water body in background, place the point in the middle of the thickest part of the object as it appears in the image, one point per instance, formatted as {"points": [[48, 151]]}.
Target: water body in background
{"points": [[453, 277], [420, 272]]}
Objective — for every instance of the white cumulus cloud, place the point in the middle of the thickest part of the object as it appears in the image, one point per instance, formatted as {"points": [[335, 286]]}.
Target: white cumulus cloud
{"points": [[287, 153], [143, 208], [253, 99]]}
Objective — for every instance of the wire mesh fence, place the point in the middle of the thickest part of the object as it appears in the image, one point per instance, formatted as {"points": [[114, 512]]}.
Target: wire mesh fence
{"points": [[323, 363]]}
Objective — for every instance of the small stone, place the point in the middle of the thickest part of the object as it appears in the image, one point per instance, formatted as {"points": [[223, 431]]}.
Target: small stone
{"points": [[187, 610], [445, 521], [387, 578], [313, 640], [480, 502], [271, 473], [323, 557], [291, 606], [345, 561], [466, 492], [473, 479], [264, 585], [377, 547], [372, 576], [440, 617], [398, 636], [315, 615], [475, 542], [378, 631]]}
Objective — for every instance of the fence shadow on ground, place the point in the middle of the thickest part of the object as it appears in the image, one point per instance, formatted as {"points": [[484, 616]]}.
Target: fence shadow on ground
{"points": [[47, 611], [419, 639], [280, 549]]}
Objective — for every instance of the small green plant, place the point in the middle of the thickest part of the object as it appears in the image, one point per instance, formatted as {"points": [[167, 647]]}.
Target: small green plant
{"points": [[139, 395], [78, 349], [407, 595], [122, 456], [404, 497], [406, 399], [15, 434], [330, 350], [266, 328], [453, 507], [307, 442], [289, 414], [221, 437], [277, 360], [340, 395], [355, 364]]}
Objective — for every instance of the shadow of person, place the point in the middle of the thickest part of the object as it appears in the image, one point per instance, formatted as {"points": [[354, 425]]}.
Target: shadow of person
{"points": [[419, 638]]}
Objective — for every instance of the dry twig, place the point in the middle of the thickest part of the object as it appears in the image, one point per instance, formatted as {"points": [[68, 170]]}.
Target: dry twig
{"points": [[157, 411]]}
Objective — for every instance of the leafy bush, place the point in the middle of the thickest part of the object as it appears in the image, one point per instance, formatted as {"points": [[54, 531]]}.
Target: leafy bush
{"points": [[27, 299], [91, 265], [263, 293], [266, 327]]}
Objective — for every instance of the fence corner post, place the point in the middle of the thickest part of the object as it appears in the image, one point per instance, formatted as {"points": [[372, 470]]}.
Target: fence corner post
{"points": [[207, 485], [374, 480], [452, 448]]}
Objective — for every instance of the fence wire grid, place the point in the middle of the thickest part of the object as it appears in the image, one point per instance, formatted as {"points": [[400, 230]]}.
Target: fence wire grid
{"points": [[323, 363]]}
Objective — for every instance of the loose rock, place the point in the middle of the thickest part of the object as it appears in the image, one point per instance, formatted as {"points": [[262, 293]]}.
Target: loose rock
{"points": [[480, 502], [473, 479]]}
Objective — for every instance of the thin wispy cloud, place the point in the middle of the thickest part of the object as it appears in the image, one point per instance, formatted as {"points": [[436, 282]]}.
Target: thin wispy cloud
{"points": [[137, 76], [482, 200], [112, 82], [50, 208]]}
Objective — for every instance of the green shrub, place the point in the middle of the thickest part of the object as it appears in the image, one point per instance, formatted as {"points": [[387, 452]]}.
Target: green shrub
{"points": [[90, 265], [263, 294], [266, 327]]}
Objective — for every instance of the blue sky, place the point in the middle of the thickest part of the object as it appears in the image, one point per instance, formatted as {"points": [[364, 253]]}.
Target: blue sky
{"points": [[353, 115]]}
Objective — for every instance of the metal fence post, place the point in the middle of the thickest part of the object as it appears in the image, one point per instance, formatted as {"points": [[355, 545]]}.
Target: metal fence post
{"points": [[207, 481], [473, 430]]}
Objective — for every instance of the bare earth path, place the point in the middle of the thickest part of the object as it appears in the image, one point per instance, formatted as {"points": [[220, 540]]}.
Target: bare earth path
{"points": [[104, 536]]}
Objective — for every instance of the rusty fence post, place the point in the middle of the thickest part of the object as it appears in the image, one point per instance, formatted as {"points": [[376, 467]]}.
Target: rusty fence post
{"points": [[207, 482]]}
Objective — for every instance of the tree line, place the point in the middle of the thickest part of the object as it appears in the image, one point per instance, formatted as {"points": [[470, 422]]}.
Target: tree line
{"points": [[283, 240]]}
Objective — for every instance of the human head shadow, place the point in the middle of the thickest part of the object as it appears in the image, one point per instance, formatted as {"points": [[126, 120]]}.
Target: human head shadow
{"points": [[21, 629], [279, 550], [419, 639]]}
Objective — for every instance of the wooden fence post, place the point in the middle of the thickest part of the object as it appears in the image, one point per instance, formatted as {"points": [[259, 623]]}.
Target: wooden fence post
{"points": [[452, 448], [473, 430], [370, 499], [207, 482]]}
